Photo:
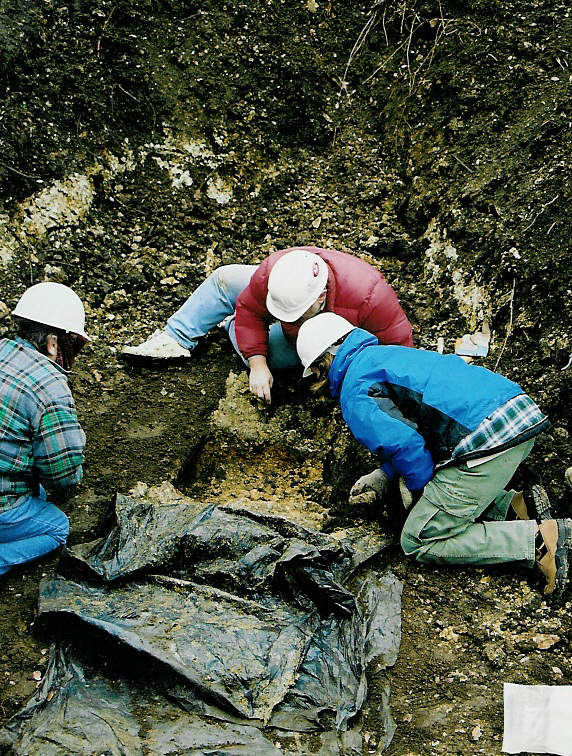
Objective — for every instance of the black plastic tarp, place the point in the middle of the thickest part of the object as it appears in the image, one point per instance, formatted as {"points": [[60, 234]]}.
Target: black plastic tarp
{"points": [[249, 622], [80, 710]]}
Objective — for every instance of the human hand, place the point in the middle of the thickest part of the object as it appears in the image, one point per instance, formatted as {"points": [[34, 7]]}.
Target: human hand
{"points": [[260, 379], [369, 487], [408, 498]]}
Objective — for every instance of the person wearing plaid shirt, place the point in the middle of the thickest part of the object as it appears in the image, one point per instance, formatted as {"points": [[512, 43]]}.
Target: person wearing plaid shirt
{"points": [[41, 440], [453, 434]]}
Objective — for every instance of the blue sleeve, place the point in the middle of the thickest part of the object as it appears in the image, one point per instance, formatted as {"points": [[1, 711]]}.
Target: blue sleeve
{"points": [[392, 437], [389, 470]]}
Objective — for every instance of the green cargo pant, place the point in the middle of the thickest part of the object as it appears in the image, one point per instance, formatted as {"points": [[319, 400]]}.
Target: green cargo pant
{"points": [[442, 527]]}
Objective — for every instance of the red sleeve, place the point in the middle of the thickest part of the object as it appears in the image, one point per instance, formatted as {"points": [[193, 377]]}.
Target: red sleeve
{"points": [[383, 316], [252, 317]]}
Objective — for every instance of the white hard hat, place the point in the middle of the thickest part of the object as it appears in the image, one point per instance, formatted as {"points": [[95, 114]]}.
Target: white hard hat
{"points": [[317, 335], [295, 283], [53, 304]]}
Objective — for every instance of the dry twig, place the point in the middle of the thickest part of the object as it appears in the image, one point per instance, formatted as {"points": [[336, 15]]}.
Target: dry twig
{"points": [[509, 328], [15, 170], [542, 209], [463, 164], [127, 93], [98, 45], [356, 48]]}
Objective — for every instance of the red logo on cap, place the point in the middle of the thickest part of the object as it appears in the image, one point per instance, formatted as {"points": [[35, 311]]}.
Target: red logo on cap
{"points": [[315, 270]]}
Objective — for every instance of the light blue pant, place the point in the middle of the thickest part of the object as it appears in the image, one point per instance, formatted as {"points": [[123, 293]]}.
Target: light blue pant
{"points": [[442, 527], [212, 302], [31, 529]]}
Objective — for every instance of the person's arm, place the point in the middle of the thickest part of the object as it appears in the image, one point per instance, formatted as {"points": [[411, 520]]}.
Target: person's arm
{"points": [[251, 330], [252, 317], [58, 445], [383, 429], [260, 380]]}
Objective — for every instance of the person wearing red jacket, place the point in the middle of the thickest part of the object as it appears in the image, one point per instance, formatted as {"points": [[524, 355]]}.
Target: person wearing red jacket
{"points": [[289, 286]]}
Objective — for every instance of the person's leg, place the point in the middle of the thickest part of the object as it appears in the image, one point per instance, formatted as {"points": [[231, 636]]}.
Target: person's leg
{"points": [[281, 353], [28, 531], [229, 328], [442, 527], [209, 304], [499, 507]]}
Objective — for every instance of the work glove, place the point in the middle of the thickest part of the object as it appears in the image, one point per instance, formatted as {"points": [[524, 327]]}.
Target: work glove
{"points": [[370, 487], [408, 498], [406, 495]]}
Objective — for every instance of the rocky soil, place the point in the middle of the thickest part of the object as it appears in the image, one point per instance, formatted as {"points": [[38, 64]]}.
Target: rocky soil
{"points": [[143, 144]]}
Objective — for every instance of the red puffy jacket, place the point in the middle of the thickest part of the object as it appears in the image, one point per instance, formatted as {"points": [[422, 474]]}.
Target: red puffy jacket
{"points": [[356, 290]]}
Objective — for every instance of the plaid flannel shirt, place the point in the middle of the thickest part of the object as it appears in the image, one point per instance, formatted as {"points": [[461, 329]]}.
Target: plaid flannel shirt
{"points": [[41, 440], [515, 421]]}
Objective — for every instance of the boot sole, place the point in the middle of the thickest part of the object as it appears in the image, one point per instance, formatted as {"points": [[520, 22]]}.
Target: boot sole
{"points": [[154, 357], [541, 502], [561, 556]]}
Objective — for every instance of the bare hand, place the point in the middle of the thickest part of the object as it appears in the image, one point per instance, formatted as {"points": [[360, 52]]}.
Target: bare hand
{"points": [[260, 380]]}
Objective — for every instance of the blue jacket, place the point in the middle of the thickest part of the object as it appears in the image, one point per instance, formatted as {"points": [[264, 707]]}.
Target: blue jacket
{"points": [[412, 407]]}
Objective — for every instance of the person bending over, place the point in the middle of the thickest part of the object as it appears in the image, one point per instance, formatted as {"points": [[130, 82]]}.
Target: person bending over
{"points": [[454, 432], [290, 286]]}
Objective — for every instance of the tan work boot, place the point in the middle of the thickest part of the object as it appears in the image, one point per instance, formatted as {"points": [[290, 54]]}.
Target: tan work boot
{"points": [[552, 542], [518, 505], [538, 507]]}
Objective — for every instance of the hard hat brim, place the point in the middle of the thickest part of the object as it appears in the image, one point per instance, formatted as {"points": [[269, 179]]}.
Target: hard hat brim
{"points": [[53, 324], [285, 315]]}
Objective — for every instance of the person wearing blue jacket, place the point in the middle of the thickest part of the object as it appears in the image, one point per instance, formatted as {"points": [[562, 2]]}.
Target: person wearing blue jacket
{"points": [[455, 434]]}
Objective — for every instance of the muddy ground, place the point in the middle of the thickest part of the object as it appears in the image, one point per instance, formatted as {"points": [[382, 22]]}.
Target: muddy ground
{"points": [[144, 143]]}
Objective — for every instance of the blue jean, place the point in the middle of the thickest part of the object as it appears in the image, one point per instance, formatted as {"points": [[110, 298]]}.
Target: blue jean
{"points": [[213, 301], [29, 530], [445, 526]]}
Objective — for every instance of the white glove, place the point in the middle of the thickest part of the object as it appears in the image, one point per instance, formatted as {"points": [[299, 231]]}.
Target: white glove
{"points": [[370, 487], [406, 495]]}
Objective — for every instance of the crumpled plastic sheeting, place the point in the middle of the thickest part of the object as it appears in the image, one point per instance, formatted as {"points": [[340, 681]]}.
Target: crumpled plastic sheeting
{"points": [[332, 674], [242, 654], [227, 547], [247, 616], [78, 710]]}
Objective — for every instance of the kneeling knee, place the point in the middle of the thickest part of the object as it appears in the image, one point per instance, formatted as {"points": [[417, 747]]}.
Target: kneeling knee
{"points": [[225, 274], [410, 543], [61, 528]]}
